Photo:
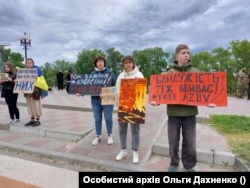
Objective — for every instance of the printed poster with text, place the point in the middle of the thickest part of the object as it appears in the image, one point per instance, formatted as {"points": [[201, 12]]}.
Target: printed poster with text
{"points": [[189, 88], [132, 100]]}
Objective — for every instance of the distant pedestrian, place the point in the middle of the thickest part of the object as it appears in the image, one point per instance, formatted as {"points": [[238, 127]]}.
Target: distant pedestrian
{"points": [[8, 95], [248, 97], [241, 82], [34, 99], [68, 78], [60, 79], [130, 70]]}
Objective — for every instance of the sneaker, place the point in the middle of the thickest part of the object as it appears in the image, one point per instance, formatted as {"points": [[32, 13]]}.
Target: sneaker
{"points": [[96, 140], [16, 121], [12, 122], [172, 169], [36, 123], [121, 155], [110, 140], [135, 157], [30, 123], [189, 170]]}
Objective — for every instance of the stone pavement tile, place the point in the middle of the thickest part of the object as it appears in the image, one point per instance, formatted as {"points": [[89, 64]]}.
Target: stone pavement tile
{"points": [[8, 182], [161, 163]]}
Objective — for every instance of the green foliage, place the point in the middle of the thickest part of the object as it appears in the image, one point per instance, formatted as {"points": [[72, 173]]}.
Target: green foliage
{"points": [[232, 124], [50, 71], [236, 129], [15, 58], [241, 52], [114, 60], [84, 63], [151, 61]]}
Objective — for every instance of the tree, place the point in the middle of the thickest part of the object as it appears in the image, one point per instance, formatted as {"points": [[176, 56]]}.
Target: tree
{"points": [[151, 61], [50, 70], [15, 58], [203, 60], [241, 52], [84, 63], [114, 60]]}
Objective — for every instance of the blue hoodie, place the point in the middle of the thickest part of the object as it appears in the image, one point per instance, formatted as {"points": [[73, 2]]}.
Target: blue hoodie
{"points": [[104, 71]]}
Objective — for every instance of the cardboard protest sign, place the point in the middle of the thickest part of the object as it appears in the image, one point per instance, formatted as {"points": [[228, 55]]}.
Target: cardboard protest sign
{"points": [[189, 88], [132, 100], [108, 95], [89, 84], [4, 76], [25, 80]]}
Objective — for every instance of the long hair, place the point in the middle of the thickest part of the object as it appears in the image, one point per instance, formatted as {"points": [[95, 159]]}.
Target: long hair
{"points": [[12, 69], [29, 59]]}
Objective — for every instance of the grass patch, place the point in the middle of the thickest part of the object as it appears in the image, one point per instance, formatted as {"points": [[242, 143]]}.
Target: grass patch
{"points": [[236, 130]]}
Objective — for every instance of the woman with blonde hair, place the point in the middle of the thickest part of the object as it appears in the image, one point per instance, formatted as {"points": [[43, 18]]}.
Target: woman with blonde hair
{"points": [[34, 103]]}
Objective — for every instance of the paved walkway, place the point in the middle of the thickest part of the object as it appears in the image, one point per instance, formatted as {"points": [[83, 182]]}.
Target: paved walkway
{"points": [[67, 131]]}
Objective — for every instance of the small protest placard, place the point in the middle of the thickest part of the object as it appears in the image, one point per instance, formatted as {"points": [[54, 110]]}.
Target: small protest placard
{"points": [[108, 95], [89, 84], [4, 76], [25, 80]]}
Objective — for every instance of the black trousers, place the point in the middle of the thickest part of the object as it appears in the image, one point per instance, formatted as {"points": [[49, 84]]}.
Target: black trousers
{"points": [[11, 100], [60, 84], [67, 88], [248, 97], [185, 126]]}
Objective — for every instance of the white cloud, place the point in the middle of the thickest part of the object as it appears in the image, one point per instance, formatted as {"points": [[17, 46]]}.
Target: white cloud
{"points": [[62, 29]]}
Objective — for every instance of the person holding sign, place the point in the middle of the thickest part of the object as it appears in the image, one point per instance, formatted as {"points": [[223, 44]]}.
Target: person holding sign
{"points": [[33, 103], [98, 109], [130, 70], [9, 96], [182, 119]]}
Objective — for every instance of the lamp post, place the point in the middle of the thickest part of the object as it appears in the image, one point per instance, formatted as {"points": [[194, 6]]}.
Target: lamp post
{"points": [[26, 42]]}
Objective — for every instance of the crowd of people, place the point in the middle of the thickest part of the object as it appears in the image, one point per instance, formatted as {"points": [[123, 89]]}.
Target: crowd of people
{"points": [[181, 118]]}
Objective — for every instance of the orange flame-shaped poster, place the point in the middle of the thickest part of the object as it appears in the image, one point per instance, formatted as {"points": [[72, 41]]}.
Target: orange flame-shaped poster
{"points": [[132, 100]]}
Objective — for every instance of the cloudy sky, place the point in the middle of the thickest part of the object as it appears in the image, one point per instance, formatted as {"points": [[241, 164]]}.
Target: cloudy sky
{"points": [[60, 29]]}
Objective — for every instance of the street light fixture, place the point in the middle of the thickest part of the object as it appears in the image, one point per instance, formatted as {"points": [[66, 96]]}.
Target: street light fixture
{"points": [[26, 42]]}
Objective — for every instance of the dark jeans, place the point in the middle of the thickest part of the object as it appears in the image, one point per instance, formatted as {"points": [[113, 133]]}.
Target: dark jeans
{"points": [[186, 126], [100, 110], [67, 88], [60, 84], [248, 92]]}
